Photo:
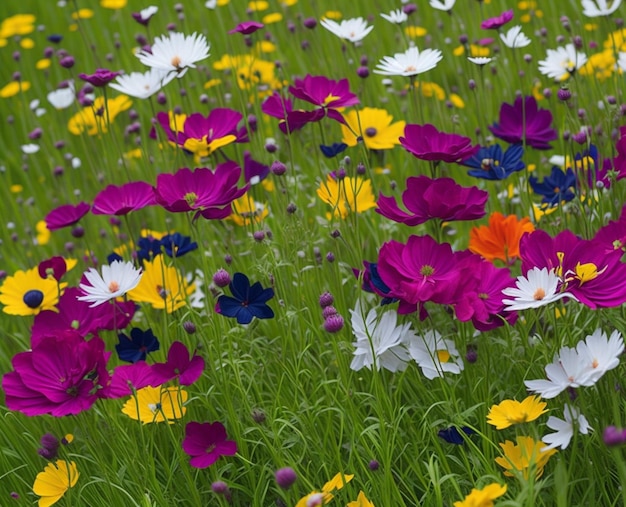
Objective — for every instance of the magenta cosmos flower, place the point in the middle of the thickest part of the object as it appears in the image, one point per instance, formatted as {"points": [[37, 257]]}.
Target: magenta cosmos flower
{"points": [[202, 135], [100, 78], [619, 162], [593, 274], [420, 270], [61, 375], [498, 21], [114, 200], [179, 365], [208, 193], [281, 107], [206, 442], [427, 143], [325, 93], [66, 215], [440, 198], [129, 378], [246, 28], [513, 117]]}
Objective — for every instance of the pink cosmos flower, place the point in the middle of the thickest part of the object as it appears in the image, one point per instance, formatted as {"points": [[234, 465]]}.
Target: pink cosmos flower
{"points": [[100, 78], [246, 28], [497, 21], [61, 375], [619, 162], [208, 193], [519, 121], [66, 215], [178, 365], [440, 198], [132, 196], [206, 442], [427, 143], [130, 377], [325, 93], [613, 235], [55, 267]]}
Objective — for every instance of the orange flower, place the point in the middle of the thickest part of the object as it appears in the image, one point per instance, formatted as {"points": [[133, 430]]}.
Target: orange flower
{"points": [[500, 239]]}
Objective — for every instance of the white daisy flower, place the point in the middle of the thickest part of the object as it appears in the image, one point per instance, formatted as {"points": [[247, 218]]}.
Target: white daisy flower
{"points": [[31, 148], [176, 52], [596, 8], [600, 353], [515, 38], [148, 12], [398, 16], [142, 84], [435, 356], [445, 5], [354, 29], [480, 60], [538, 288], [567, 369], [62, 98], [410, 63], [562, 62], [116, 280], [621, 61], [564, 428], [379, 341]]}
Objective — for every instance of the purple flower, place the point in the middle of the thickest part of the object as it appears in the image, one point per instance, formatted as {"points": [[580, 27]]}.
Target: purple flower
{"points": [[246, 28], [55, 267], [100, 78], [325, 93], [441, 198], [285, 477], [61, 375], [619, 162], [513, 118], [497, 21], [206, 442], [129, 378], [179, 365], [208, 193], [132, 196], [144, 16], [66, 215], [253, 170], [427, 143]]}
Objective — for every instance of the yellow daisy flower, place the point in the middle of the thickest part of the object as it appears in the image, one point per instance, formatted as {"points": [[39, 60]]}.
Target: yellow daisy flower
{"points": [[20, 24], [483, 497], [526, 456], [157, 404], [347, 195], [374, 126], [26, 293], [511, 412], [13, 88], [54, 481], [361, 501], [88, 121]]}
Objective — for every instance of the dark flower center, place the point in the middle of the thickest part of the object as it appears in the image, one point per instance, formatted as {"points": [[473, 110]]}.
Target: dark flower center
{"points": [[370, 131], [33, 298]]}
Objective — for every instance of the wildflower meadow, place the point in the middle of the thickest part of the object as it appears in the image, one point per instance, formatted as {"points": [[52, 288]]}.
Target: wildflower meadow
{"points": [[294, 253]]}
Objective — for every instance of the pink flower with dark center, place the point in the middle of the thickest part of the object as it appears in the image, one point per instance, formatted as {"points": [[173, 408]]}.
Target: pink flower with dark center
{"points": [[206, 442], [66, 215], [524, 121], [179, 365], [208, 193], [61, 375], [247, 27], [114, 200], [497, 21], [427, 199], [100, 78], [325, 93], [427, 143]]}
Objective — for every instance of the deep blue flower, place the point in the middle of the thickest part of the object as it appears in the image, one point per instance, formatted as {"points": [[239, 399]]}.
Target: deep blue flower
{"points": [[490, 163], [372, 282], [453, 436], [247, 301], [114, 257], [333, 150], [55, 38], [253, 170], [137, 347], [177, 245], [558, 187], [148, 248]]}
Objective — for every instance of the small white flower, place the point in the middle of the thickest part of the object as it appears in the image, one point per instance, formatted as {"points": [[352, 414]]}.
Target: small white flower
{"points": [[480, 60], [595, 8], [62, 98], [561, 63], [410, 63], [379, 341], [565, 428], [29, 149], [445, 5], [210, 4], [537, 288], [148, 12], [515, 38], [566, 370], [398, 16], [600, 353], [621, 61], [116, 280], [142, 84], [176, 52], [354, 29], [435, 356]]}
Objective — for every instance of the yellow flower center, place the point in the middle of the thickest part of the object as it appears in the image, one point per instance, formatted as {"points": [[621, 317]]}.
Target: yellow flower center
{"points": [[114, 286], [587, 272], [443, 356], [176, 61], [539, 294], [330, 99]]}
